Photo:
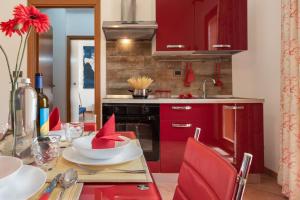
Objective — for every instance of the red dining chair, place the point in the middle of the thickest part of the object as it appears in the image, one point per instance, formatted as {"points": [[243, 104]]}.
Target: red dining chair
{"points": [[205, 175]]}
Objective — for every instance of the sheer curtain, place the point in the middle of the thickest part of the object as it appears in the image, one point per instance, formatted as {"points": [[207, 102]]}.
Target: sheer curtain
{"points": [[289, 173]]}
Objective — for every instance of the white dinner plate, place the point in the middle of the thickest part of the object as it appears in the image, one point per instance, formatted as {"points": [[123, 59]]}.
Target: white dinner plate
{"points": [[26, 183], [132, 152]]}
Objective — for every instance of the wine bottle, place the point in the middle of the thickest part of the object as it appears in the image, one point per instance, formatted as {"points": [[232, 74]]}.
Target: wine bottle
{"points": [[42, 106]]}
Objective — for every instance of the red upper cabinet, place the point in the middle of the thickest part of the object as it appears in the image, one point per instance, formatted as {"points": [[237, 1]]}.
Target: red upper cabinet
{"points": [[175, 20], [202, 25], [232, 26]]}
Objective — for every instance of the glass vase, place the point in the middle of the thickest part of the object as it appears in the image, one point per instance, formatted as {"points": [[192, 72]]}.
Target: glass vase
{"points": [[9, 142]]}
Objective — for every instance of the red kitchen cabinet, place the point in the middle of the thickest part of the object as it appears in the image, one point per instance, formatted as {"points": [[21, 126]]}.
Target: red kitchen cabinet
{"points": [[201, 25], [229, 129], [176, 126], [175, 20], [241, 131], [249, 135]]}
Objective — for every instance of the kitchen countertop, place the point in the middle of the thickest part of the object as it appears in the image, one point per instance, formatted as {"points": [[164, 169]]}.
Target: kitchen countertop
{"points": [[174, 100]]}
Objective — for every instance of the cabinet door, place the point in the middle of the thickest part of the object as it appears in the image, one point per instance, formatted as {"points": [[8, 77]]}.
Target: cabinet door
{"points": [[240, 131], [175, 132], [220, 25], [175, 19], [249, 135]]}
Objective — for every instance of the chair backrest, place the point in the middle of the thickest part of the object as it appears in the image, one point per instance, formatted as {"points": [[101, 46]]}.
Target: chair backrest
{"points": [[243, 175], [205, 175], [197, 134], [205, 182]]}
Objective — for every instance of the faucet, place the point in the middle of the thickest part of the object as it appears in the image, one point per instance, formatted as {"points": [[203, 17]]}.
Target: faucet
{"points": [[204, 95]]}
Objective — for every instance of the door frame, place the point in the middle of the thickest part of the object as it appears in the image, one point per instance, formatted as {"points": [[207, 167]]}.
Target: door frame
{"points": [[68, 80], [32, 48]]}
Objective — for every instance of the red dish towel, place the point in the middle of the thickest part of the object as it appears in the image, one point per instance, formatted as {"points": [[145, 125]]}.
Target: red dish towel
{"points": [[189, 75], [107, 136], [54, 120]]}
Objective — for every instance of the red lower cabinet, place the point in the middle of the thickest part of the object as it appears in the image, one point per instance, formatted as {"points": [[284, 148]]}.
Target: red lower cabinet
{"points": [[154, 166], [178, 123], [249, 135], [230, 129]]}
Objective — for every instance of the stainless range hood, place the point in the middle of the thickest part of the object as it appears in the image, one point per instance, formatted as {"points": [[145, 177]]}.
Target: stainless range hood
{"points": [[128, 27]]}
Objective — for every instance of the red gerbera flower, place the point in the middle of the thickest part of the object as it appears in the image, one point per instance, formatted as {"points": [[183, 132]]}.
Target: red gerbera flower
{"points": [[10, 27], [31, 16]]}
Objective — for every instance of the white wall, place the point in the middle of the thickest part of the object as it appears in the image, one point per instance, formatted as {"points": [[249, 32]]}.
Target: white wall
{"points": [[10, 44], [256, 72]]}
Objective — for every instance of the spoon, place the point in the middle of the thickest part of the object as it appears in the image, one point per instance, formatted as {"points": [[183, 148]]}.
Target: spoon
{"points": [[67, 179]]}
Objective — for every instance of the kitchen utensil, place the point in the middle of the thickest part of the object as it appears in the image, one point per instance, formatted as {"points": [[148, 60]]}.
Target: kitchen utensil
{"points": [[46, 151], [218, 83], [84, 147], [67, 179], [9, 167], [93, 171], [140, 93], [47, 192], [27, 182], [133, 152]]}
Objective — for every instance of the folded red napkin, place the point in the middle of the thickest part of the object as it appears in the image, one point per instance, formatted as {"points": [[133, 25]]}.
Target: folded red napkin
{"points": [[107, 136], [54, 120]]}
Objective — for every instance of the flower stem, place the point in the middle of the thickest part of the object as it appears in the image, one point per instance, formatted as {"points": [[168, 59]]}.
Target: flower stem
{"points": [[8, 65], [22, 55], [18, 55]]}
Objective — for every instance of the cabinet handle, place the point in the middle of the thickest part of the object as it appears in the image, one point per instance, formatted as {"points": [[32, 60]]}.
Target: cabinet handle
{"points": [[181, 125], [175, 46], [234, 107], [181, 107], [221, 46]]}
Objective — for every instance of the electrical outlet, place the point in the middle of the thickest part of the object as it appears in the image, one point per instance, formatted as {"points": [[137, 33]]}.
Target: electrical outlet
{"points": [[177, 73]]}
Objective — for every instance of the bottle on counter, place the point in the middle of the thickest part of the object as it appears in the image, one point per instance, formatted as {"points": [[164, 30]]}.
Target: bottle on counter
{"points": [[25, 120], [42, 106]]}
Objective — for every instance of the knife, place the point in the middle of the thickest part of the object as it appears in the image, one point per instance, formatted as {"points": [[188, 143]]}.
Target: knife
{"points": [[46, 193]]}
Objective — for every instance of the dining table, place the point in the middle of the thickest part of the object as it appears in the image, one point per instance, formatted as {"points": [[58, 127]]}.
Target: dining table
{"points": [[109, 182]]}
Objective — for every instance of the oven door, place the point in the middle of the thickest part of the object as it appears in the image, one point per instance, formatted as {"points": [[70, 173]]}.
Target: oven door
{"points": [[146, 129]]}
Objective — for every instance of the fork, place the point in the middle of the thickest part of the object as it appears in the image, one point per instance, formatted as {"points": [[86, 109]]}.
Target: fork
{"points": [[94, 171]]}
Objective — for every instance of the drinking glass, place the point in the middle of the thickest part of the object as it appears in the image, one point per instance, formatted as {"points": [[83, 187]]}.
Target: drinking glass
{"points": [[46, 151], [90, 124], [73, 130]]}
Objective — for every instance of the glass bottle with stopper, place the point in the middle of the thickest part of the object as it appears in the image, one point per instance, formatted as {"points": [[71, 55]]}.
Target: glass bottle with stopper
{"points": [[25, 120]]}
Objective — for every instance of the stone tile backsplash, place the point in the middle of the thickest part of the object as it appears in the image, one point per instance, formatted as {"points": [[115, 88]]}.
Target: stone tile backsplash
{"points": [[126, 60]]}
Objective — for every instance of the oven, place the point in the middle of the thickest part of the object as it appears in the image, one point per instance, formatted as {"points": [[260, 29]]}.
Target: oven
{"points": [[143, 119]]}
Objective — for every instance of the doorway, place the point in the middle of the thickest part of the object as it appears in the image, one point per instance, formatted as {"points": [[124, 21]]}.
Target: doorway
{"points": [[80, 75], [34, 50]]}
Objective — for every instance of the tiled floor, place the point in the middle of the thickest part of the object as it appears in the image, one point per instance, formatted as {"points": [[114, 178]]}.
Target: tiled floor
{"points": [[266, 190]]}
